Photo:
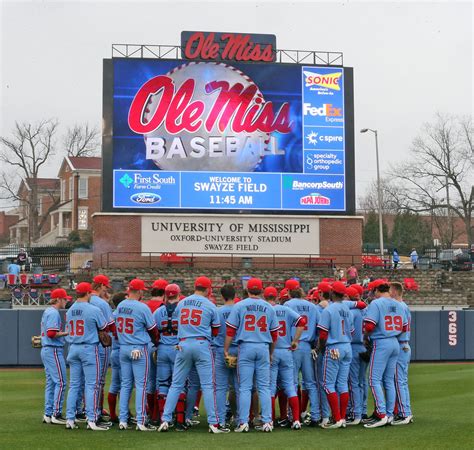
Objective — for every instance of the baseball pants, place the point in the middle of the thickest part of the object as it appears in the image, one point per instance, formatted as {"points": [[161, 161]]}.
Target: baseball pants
{"points": [[282, 373], [325, 409], [165, 357], [104, 357], [197, 352], [134, 370], [336, 371], [401, 380], [83, 358], [225, 377], [151, 384], [55, 371], [193, 387], [383, 362], [254, 358], [115, 382], [303, 362], [357, 373]]}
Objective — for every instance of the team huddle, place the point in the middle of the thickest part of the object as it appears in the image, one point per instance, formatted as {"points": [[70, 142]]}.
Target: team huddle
{"points": [[321, 351]]}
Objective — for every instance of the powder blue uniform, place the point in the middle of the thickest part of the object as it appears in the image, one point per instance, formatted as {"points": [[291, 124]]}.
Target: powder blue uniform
{"points": [[282, 361], [225, 377], [115, 382], [389, 318], [358, 369], [253, 320], [336, 319], [134, 320], [196, 315], [83, 322], [166, 352], [401, 370], [53, 362], [302, 359], [323, 400], [104, 352]]}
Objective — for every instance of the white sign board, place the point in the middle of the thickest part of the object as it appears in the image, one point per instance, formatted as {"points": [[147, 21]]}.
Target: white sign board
{"points": [[219, 234]]}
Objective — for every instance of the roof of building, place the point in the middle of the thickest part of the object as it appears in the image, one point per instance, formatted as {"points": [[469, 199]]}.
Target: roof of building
{"points": [[85, 162], [43, 183]]}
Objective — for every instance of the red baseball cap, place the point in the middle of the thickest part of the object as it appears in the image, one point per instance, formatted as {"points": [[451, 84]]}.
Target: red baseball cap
{"points": [[358, 288], [203, 282], [378, 283], [352, 292], [172, 290], [83, 288], [160, 284], [324, 286], [292, 284], [284, 294], [270, 291], [255, 283], [339, 287], [102, 279], [60, 293], [137, 285]]}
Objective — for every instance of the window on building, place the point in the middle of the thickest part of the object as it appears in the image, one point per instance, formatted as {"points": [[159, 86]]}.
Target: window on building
{"points": [[82, 187], [63, 190], [71, 188], [82, 218]]}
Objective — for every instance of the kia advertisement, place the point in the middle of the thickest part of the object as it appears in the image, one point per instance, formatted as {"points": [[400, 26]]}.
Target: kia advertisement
{"points": [[227, 136]]}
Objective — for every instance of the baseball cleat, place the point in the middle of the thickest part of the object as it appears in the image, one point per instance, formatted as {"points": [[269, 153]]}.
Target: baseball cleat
{"points": [[123, 426], [58, 420], [163, 427], [142, 427], [192, 423], [81, 417], [332, 425], [71, 425], [181, 427], [216, 429], [354, 421], [46, 419], [242, 428], [403, 421], [196, 411], [266, 428], [284, 423], [101, 421], [372, 418], [105, 413], [377, 423], [304, 415], [324, 422], [389, 420], [94, 427], [296, 425], [132, 419], [313, 423]]}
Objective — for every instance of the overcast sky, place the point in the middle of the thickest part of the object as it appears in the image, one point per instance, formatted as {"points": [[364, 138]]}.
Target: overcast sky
{"points": [[410, 59]]}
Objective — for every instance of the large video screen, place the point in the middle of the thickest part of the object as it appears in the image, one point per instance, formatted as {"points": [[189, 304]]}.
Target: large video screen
{"points": [[210, 136]]}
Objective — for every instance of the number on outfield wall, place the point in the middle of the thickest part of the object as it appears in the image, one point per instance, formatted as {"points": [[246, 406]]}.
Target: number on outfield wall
{"points": [[452, 328]]}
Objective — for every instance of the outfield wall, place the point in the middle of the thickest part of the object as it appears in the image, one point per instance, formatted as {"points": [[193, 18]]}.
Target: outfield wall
{"points": [[436, 336]]}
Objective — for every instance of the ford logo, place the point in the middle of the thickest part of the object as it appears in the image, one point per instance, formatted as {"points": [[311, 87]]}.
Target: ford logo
{"points": [[145, 198]]}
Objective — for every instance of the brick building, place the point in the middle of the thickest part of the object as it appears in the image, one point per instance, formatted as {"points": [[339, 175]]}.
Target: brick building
{"points": [[7, 219]]}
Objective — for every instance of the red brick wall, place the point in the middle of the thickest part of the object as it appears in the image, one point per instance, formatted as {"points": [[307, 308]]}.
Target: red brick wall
{"points": [[340, 239], [6, 222]]}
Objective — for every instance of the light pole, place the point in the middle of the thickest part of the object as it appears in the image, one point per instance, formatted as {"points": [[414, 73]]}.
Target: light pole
{"points": [[379, 189]]}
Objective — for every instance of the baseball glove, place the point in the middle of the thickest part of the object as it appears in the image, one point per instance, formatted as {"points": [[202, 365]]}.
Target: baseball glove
{"points": [[365, 356], [231, 361], [136, 354], [36, 341], [105, 338]]}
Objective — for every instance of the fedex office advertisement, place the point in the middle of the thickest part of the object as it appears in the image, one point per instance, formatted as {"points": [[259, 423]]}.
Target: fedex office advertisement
{"points": [[219, 136]]}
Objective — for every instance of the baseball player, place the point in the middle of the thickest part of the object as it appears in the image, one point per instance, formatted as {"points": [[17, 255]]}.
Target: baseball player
{"points": [[302, 357], [198, 322], [401, 371], [115, 383], [135, 329], [100, 285], [83, 324], [157, 294], [335, 328], [358, 368], [52, 344], [385, 320], [224, 375], [254, 325], [282, 361], [166, 320]]}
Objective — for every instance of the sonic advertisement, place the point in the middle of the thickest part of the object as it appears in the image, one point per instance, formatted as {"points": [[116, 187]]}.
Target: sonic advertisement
{"points": [[230, 136]]}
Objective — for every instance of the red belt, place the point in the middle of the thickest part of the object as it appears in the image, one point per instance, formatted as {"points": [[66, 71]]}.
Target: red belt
{"points": [[197, 339]]}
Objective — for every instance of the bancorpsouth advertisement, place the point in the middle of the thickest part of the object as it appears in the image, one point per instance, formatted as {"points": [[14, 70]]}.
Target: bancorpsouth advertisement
{"points": [[238, 137]]}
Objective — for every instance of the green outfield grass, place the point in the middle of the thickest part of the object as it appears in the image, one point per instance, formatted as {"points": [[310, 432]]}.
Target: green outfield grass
{"points": [[442, 398]]}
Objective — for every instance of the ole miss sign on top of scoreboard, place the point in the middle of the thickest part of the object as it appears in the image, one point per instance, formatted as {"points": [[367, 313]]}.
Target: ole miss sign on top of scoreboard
{"points": [[228, 46], [227, 129]]}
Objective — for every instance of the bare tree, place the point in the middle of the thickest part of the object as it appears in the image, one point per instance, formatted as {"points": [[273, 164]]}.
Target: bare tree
{"points": [[369, 201], [82, 140], [439, 176], [25, 152]]}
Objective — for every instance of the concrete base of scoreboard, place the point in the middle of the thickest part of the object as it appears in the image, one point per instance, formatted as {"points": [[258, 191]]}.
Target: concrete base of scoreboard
{"points": [[128, 239]]}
